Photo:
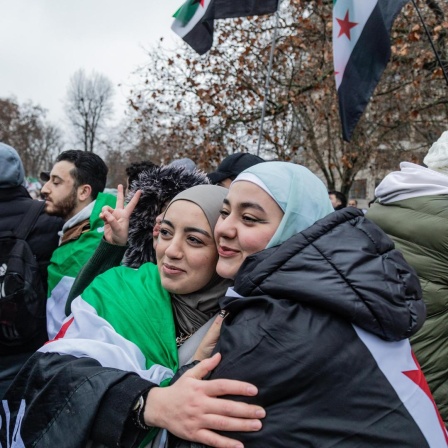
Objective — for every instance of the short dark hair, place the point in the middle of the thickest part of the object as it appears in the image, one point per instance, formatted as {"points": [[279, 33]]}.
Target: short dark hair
{"points": [[340, 197], [134, 169], [89, 169]]}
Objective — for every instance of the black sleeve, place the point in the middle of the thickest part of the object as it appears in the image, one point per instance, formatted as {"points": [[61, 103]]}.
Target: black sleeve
{"points": [[64, 401], [113, 424]]}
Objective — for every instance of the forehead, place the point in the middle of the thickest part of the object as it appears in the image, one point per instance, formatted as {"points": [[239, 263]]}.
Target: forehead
{"points": [[63, 169], [187, 214], [244, 192]]}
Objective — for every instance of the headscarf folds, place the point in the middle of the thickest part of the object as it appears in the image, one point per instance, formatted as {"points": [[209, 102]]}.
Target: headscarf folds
{"points": [[300, 194]]}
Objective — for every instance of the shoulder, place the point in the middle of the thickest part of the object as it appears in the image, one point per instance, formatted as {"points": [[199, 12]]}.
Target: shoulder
{"points": [[120, 279]]}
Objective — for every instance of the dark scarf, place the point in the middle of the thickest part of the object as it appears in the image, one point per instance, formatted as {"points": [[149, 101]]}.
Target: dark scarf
{"points": [[191, 311]]}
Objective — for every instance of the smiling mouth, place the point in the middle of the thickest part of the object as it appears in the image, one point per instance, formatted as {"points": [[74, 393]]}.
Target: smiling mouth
{"points": [[225, 251], [171, 270]]}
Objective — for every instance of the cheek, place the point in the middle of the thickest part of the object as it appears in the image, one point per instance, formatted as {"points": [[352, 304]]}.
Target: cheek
{"points": [[205, 266], [160, 249], [255, 243]]}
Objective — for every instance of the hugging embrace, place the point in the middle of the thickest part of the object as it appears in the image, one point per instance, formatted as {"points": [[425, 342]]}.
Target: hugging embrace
{"points": [[314, 349]]}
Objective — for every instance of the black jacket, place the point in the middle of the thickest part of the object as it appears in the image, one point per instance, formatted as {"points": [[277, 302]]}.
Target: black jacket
{"points": [[43, 240], [302, 334]]}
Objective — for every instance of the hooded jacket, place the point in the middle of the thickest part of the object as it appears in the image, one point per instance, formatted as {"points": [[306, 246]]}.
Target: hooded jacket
{"points": [[412, 209], [43, 238], [310, 332]]}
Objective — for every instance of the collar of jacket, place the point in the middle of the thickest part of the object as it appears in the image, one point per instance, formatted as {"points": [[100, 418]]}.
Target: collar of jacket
{"points": [[10, 194], [75, 232]]}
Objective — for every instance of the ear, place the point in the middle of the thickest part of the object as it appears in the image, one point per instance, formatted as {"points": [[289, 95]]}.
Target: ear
{"points": [[84, 192]]}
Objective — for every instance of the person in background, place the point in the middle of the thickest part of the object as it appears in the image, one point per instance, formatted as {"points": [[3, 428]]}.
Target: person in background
{"points": [[412, 208], [42, 239], [185, 163], [352, 203], [338, 199], [318, 319], [231, 166], [73, 192], [33, 186]]}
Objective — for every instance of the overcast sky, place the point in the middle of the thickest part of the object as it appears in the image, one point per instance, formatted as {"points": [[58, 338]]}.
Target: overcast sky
{"points": [[43, 42]]}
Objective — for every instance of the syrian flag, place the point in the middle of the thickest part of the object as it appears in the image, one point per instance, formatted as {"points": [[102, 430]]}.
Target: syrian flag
{"points": [[68, 259], [194, 20], [400, 367], [121, 330], [361, 51]]}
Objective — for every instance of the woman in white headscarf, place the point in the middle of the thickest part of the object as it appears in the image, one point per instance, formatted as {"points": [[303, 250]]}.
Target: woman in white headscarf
{"points": [[319, 317]]}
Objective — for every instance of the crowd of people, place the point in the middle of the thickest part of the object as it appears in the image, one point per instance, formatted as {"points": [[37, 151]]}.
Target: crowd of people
{"points": [[248, 307]]}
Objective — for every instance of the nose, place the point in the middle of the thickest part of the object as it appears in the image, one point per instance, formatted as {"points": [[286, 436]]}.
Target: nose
{"points": [[225, 228], [45, 190], [174, 249]]}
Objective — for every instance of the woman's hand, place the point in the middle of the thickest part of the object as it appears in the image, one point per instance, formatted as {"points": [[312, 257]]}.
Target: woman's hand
{"points": [[210, 339], [191, 408], [116, 221]]}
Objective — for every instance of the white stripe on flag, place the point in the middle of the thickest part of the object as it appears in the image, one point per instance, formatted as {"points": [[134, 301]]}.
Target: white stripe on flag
{"points": [[89, 335], [394, 358], [359, 12], [56, 305], [181, 30]]}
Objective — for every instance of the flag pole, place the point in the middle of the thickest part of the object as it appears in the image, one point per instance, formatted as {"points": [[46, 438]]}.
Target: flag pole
{"points": [[268, 80], [439, 60]]}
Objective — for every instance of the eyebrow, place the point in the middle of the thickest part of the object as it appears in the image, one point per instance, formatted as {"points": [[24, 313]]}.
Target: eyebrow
{"points": [[55, 176], [187, 229], [244, 205]]}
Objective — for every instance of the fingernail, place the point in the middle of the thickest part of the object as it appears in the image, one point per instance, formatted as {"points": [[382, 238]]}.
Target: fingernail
{"points": [[260, 413], [239, 445], [256, 426], [252, 390]]}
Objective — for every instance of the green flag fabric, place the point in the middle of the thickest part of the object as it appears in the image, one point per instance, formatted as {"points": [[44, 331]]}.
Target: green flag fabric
{"points": [[68, 259]]}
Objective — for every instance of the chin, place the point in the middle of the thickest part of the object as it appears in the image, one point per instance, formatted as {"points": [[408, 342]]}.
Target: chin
{"points": [[226, 272]]}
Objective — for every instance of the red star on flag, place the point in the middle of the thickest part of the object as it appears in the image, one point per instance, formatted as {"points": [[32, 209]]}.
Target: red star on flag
{"points": [[418, 378], [346, 26]]}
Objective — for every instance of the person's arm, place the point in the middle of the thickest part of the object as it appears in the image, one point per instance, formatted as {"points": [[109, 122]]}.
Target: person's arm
{"points": [[112, 247], [210, 339], [192, 409]]}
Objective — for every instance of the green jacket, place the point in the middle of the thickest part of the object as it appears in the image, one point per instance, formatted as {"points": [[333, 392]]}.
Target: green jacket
{"points": [[419, 228]]}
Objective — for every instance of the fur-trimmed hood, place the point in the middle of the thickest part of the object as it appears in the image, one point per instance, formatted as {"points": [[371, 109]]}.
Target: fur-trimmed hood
{"points": [[159, 185]]}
